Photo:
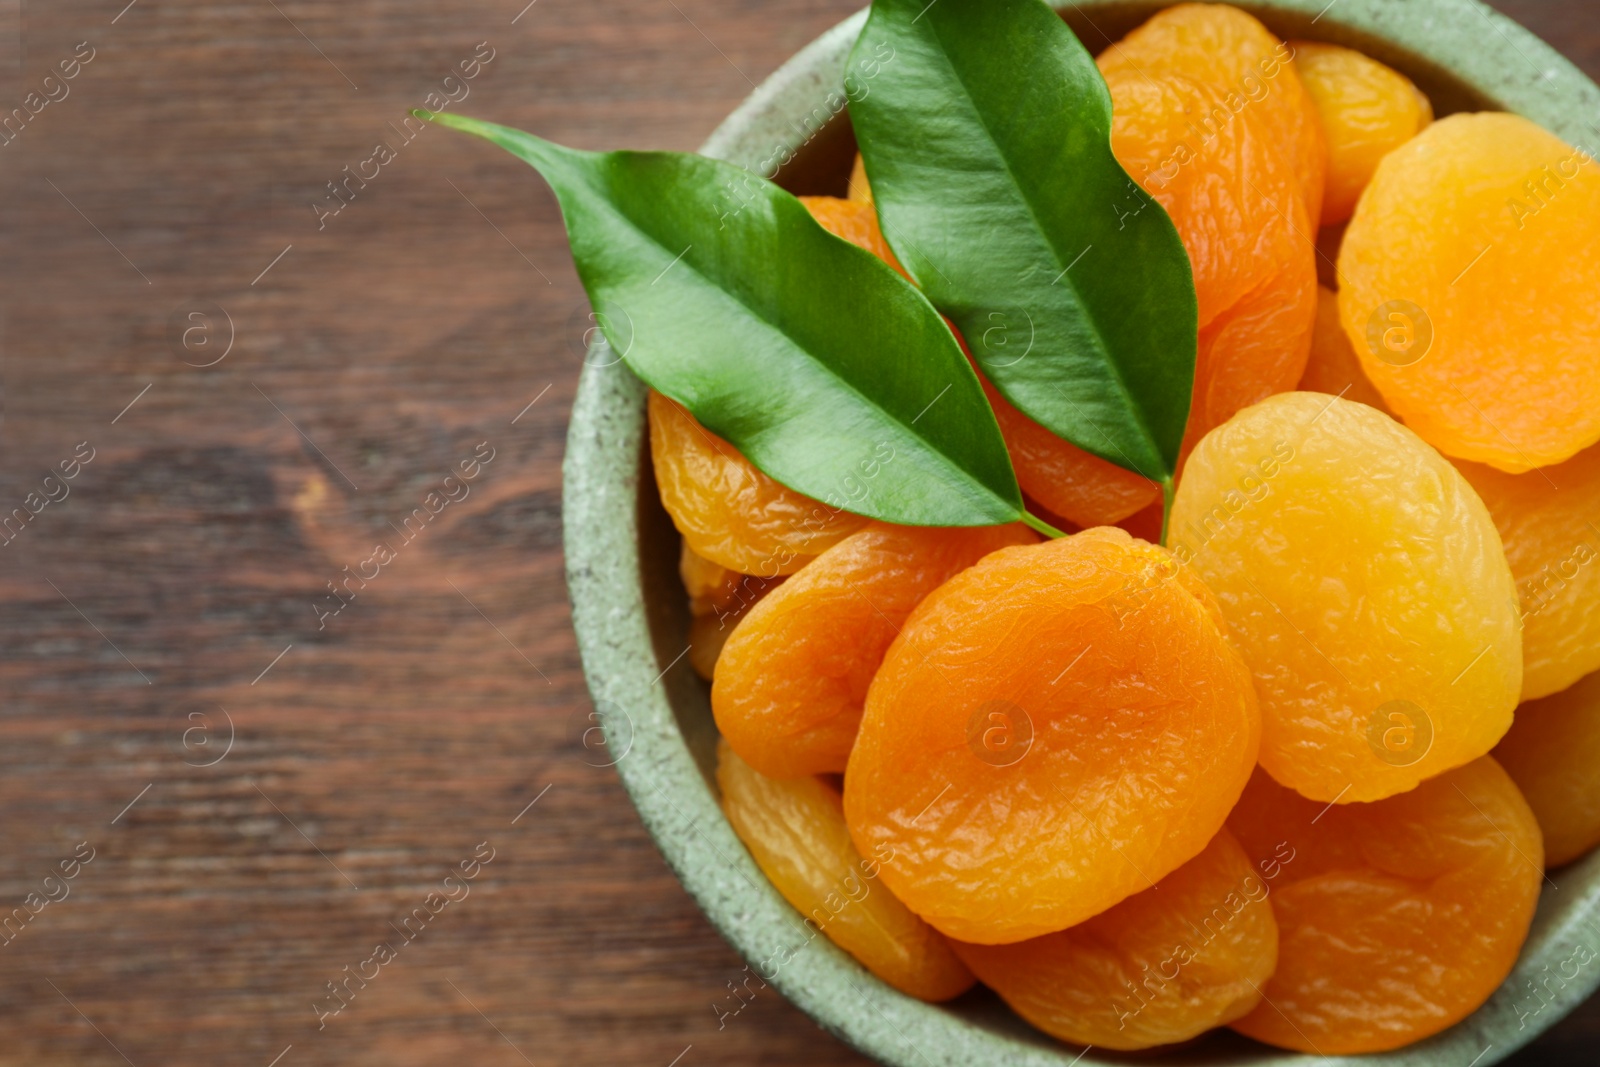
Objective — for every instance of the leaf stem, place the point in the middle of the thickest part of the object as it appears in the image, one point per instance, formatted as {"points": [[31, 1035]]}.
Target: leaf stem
{"points": [[1168, 493], [1041, 526]]}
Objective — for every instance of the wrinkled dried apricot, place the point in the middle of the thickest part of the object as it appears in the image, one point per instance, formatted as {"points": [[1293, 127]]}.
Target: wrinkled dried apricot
{"points": [[1397, 918], [1548, 523], [1075, 487], [1553, 754], [795, 831], [1333, 367], [718, 599], [1367, 110], [1255, 348], [1165, 965], [1068, 482], [793, 677], [727, 510], [1054, 728], [1252, 71], [1237, 205], [1364, 582], [1467, 287], [853, 220]]}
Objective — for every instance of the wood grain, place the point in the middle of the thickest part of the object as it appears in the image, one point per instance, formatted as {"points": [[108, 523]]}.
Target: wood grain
{"points": [[175, 590]]}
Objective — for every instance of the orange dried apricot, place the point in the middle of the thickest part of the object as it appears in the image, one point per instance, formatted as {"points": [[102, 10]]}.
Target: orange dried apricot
{"points": [[718, 599], [1367, 110], [1396, 918], [1055, 728], [1146, 524], [793, 677], [1237, 206], [1163, 966], [1075, 485], [727, 510], [1467, 281], [1364, 582], [1252, 71], [859, 190], [1548, 523], [853, 220], [1553, 754], [796, 833], [1256, 348], [1333, 367]]}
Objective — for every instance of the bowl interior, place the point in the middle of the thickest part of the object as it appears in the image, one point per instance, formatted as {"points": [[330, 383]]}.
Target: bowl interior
{"points": [[632, 619]]}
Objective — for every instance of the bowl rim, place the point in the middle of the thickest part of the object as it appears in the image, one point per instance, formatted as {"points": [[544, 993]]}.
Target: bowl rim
{"points": [[629, 678]]}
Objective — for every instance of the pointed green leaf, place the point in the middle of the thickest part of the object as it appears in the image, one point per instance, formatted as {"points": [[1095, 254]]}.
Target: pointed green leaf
{"points": [[987, 141], [814, 359]]}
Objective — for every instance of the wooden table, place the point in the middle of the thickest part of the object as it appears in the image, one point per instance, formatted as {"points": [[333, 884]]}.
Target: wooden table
{"points": [[268, 789]]}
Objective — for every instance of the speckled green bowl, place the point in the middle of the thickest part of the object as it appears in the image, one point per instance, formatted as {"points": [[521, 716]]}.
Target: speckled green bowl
{"points": [[628, 607]]}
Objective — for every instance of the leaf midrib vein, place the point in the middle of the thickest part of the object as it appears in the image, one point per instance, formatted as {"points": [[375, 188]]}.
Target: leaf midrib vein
{"points": [[1022, 195], [687, 263]]}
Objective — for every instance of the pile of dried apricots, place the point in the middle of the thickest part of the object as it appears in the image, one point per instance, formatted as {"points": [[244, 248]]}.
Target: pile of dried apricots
{"points": [[1300, 771]]}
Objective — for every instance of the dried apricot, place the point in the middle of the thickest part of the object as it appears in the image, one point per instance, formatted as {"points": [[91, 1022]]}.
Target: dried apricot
{"points": [[860, 190], [728, 511], [1396, 918], [718, 599], [1367, 110], [1237, 206], [1075, 485], [1333, 367], [1054, 729], [1467, 278], [793, 677], [1163, 966], [795, 831], [1553, 754], [1364, 582], [1255, 348], [1547, 520], [1232, 52]]}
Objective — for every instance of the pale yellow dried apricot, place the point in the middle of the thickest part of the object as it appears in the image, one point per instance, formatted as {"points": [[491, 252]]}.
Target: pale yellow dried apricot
{"points": [[718, 599], [1553, 753], [1367, 110], [1365, 584], [796, 833], [1549, 522]]}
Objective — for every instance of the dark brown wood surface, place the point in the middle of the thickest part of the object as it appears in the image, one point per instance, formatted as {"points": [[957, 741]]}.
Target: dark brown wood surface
{"points": [[168, 603]]}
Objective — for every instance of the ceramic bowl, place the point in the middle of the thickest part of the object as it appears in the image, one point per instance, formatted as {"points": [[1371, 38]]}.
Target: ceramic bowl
{"points": [[631, 619]]}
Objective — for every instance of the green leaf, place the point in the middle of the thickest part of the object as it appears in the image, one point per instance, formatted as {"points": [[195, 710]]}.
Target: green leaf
{"points": [[813, 358], [987, 141]]}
